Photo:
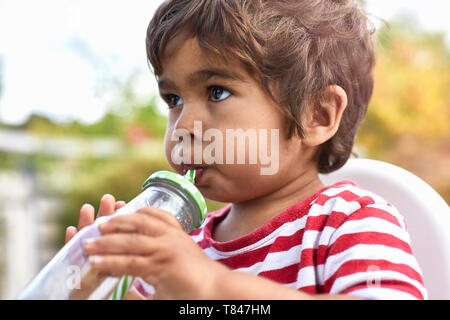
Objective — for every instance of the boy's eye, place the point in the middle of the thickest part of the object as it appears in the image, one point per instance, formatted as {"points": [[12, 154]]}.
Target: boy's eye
{"points": [[219, 94], [173, 100]]}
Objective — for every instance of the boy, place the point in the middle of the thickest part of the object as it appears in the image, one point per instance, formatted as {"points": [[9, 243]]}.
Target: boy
{"points": [[303, 68]]}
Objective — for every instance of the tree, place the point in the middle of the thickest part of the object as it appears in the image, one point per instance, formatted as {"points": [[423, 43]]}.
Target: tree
{"points": [[407, 120]]}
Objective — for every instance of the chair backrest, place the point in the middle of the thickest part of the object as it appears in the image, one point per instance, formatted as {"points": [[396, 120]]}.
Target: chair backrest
{"points": [[427, 215]]}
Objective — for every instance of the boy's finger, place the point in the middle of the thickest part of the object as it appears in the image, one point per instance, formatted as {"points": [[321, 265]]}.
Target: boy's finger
{"points": [[87, 213], [134, 223], [119, 204], [106, 205], [161, 215], [119, 265], [121, 243], [70, 232]]}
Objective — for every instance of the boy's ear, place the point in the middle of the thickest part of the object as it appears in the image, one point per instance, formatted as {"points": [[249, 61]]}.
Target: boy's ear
{"points": [[322, 123]]}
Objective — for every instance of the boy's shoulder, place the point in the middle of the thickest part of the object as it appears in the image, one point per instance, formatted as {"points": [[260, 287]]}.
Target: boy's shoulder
{"points": [[333, 206], [347, 191], [347, 198]]}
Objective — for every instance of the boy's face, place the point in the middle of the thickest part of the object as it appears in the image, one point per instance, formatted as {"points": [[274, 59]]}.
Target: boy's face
{"points": [[207, 98]]}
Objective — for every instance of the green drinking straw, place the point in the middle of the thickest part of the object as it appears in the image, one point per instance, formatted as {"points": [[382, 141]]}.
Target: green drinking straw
{"points": [[122, 288], [190, 175], [127, 281]]}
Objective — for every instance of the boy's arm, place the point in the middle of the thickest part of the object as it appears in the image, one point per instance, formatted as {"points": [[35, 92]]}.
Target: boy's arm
{"points": [[242, 286], [231, 285]]}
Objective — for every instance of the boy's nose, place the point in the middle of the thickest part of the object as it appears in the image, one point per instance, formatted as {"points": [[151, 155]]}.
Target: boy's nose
{"points": [[189, 128], [191, 121]]}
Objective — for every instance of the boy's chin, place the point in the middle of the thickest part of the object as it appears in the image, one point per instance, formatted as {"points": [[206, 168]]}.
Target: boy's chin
{"points": [[215, 193]]}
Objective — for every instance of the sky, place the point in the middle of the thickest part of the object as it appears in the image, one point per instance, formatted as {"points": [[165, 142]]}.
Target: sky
{"points": [[60, 57]]}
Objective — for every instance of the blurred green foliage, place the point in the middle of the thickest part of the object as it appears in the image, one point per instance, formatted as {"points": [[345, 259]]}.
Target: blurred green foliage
{"points": [[115, 123], [407, 119]]}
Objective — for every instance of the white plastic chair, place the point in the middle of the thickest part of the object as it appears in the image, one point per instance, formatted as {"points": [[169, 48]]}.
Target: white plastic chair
{"points": [[427, 215]]}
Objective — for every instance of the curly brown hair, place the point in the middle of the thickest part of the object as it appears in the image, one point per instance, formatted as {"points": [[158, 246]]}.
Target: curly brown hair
{"points": [[294, 48]]}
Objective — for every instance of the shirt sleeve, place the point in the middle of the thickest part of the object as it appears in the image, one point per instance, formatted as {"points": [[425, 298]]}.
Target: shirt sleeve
{"points": [[369, 256]]}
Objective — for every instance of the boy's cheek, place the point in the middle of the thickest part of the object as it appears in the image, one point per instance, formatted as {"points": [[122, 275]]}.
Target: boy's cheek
{"points": [[168, 153], [236, 183], [168, 147]]}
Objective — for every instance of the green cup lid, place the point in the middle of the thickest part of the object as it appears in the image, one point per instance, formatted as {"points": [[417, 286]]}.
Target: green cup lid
{"points": [[186, 182]]}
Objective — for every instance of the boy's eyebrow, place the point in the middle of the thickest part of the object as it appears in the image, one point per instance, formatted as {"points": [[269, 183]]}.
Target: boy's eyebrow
{"points": [[202, 76], [206, 74]]}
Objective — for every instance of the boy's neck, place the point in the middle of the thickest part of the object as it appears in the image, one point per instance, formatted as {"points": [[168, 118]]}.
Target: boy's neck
{"points": [[245, 217]]}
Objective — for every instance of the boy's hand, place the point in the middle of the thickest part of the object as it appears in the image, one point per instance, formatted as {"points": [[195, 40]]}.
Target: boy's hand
{"points": [[108, 205], [151, 244]]}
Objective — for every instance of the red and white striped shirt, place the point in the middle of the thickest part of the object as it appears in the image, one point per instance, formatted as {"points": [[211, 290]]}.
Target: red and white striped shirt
{"points": [[341, 240]]}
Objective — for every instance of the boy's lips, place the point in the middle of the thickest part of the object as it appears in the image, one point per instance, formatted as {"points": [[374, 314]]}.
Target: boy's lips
{"points": [[199, 171]]}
